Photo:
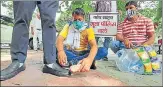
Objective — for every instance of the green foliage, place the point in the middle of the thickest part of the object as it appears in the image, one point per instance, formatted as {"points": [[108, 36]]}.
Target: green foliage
{"points": [[6, 21], [158, 19], [159, 12], [147, 12], [121, 7], [9, 6]]}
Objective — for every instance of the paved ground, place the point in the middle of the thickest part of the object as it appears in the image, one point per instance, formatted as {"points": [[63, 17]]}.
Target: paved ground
{"points": [[108, 68], [107, 75], [33, 75]]}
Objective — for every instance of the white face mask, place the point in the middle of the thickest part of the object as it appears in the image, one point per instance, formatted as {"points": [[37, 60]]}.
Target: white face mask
{"points": [[130, 13]]}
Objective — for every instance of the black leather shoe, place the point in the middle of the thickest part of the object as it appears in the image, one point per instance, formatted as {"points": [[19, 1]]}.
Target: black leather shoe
{"points": [[66, 66], [12, 70], [56, 70], [93, 66]]}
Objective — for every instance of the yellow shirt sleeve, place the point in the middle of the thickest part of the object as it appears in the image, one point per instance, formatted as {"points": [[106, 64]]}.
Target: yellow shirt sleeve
{"points": [[64, 31], [91, 34]]}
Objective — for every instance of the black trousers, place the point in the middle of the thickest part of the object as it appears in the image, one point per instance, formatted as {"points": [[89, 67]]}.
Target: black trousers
{"points": [[23, 11]]}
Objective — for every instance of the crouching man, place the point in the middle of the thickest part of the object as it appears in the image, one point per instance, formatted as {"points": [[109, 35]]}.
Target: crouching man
{"points": [[76, 44]]}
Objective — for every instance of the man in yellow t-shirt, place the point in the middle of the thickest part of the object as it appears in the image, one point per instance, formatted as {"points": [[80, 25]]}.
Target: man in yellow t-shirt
{"points": [[76, 44]]}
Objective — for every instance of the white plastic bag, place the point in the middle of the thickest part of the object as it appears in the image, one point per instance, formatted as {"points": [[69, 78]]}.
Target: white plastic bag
{"points": [[129, 61]]}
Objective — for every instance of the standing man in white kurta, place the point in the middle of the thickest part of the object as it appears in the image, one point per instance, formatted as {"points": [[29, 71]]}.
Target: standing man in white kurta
{"points": [[36, 31]]}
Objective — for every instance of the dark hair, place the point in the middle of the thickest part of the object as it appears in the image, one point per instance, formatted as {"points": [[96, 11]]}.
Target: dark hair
{"points": [[131, 3], [78, 11]]}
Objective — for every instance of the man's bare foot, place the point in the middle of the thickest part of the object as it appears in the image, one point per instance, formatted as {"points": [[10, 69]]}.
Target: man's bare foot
{"points": [[75, 68]]}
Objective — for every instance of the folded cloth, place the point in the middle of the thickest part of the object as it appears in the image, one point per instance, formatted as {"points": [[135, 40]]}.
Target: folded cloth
{"points": [[73, 37]]}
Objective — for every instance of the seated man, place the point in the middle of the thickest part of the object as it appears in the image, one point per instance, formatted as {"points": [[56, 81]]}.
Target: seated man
{"points": [[73, 43], [134, 30]]}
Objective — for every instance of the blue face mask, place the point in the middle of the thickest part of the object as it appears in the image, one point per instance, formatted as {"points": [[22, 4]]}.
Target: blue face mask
{"points": [[78, 24]]}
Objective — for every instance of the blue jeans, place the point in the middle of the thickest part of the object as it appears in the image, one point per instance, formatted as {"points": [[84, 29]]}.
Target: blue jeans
{"points": [[74, 57], [116, 46]]}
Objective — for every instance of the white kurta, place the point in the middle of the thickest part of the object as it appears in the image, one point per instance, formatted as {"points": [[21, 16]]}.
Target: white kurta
{"points": [[37, 37]]}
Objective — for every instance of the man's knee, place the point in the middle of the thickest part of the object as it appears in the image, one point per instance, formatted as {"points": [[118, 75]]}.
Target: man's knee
{"points": [[114, 44], [103, 51]]}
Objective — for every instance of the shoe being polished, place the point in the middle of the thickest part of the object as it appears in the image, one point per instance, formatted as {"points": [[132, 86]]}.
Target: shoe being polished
{"points": [[12, 70], [56, 70]]}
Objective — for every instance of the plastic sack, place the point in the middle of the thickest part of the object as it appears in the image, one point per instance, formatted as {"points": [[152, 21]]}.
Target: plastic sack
{"points": [[150, 50], [156, 63], [145, 59], [129, 61], [156, 66]]}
